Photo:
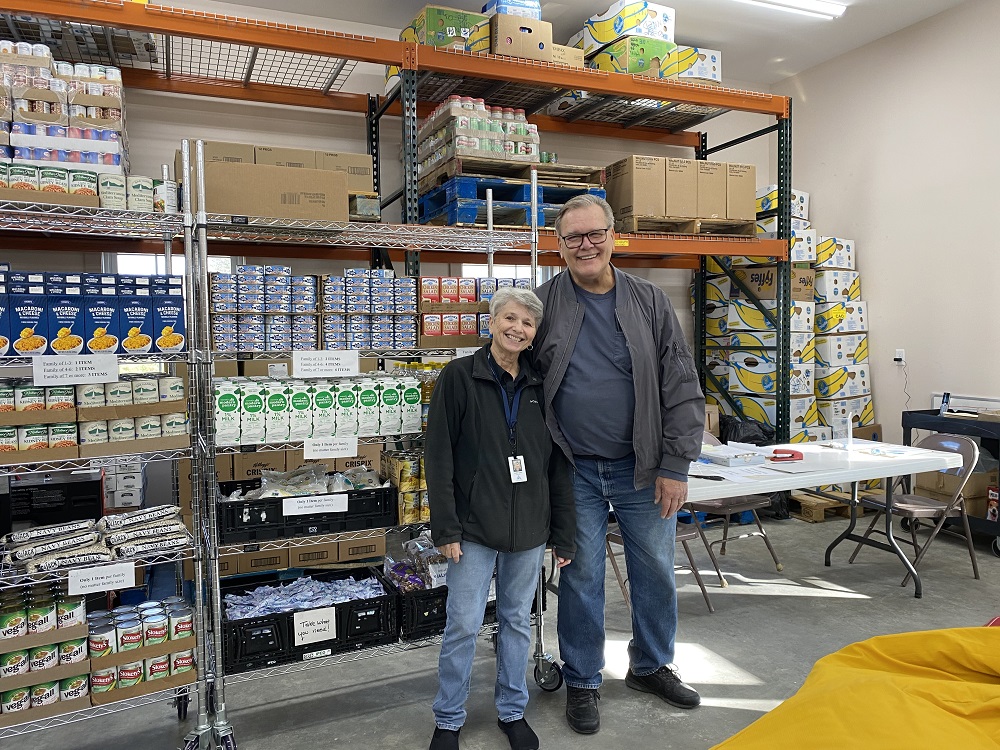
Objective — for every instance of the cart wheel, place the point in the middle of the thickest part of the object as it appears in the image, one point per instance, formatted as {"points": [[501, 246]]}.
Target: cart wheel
{"points": [[227, 742], [183, 700], [548, 676], [996, 546]]}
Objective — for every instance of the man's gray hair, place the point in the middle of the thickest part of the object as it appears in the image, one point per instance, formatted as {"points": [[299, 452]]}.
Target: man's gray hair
{"points": [[524, 297], [585, 201]]}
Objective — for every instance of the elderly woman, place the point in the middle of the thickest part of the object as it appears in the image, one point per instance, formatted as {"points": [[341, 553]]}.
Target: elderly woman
{"points": [[500, 492]]}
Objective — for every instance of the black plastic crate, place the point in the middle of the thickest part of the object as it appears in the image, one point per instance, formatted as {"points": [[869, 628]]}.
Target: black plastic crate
{"points": [[423, 613], [262, 520]]}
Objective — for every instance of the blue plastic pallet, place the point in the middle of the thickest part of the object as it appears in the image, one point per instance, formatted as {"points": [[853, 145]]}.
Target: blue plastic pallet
{"points": [[562, 193], [473, 211], [474, 188]]}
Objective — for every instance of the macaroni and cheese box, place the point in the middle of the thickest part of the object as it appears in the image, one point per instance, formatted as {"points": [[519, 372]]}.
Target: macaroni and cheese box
{"points": [[168, 324], [101, 327], [65, 320], [28, 325], [5, 342], [136, 324]]}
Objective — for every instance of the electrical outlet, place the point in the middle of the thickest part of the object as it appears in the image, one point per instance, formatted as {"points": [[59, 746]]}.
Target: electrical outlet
{"points": [[900, 358]]}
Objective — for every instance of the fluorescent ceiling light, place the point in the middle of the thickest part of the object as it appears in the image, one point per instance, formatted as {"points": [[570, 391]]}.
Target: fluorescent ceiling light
{"points": [[813, 8]]}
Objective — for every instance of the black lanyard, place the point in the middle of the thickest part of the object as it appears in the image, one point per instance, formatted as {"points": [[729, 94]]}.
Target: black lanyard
{"points": [[510, 406]]}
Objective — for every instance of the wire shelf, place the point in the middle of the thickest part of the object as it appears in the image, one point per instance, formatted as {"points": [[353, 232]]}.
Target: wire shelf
{"points": [[42, 217], [87, 463], [293, 446], [164, 358], [364, 353], [274, 545], [92, 712]]}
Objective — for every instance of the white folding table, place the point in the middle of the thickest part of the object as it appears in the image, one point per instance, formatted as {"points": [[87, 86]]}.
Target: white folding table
{"points": [[822, 465]]}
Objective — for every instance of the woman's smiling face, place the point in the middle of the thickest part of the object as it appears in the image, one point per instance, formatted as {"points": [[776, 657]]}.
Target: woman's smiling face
{"points": [[513, 328]]}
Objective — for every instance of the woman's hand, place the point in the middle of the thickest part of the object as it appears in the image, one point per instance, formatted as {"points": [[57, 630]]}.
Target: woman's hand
{"points": [[562, 562], [452, 551]]}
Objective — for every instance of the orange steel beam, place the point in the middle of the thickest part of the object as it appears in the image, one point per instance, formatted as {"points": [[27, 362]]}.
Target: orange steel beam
{"points": [[474, 65], [42, 242], [217, 27], [607, 130]]}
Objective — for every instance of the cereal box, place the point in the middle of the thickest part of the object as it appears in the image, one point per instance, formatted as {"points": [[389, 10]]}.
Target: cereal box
{"points": [[168, 324], [101, 327], [28, 324], [136, 324], [5, 348], [66, 324]]}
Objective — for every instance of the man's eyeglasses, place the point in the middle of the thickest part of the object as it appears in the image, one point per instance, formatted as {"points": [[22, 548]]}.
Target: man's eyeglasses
{"points": [[574, 241]]}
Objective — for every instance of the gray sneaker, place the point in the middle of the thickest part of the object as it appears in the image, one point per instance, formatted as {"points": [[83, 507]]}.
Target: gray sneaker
{"points": [[666, 684]]}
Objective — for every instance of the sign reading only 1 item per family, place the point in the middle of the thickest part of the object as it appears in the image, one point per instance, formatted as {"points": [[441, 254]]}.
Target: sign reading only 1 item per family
{"points": [[59, 369], [101, 578], [314, 625], [332, 364], [330, 447], [307, 505]]}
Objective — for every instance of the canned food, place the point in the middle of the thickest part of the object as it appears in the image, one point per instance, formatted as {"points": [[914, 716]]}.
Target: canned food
{"points": [[22, 105], [8, 440], [32, 437], [90, 395], [110, 160], [73, 652], [94, 89], [129, 635], [58, 108], [121, 430], [145, 607], [71, 610], [97, 614], [82, 182], [58, 85], [95, 113], [103, 680], [98, 72], [39, 82], [174, 424], [6, 47], [23, 48], [60, 397], [148, 428], [155, 629], [14, 663], [174, 600], [28, 397], [43, 657], [102, 641], [15, 700], [101, 622], [125, 610], [156, 667], [74, 687], [112, 73], [81, 70], [63, 435], [40, 50], [40, 107], [118, 393], [63, 68], [145, 391], [171, 389], [92, 433], [182, 661], [113, 113], [130, 674], [44, 694], [111, 89], [181, 623], [42, 615], [77, 110], [6, 396]]}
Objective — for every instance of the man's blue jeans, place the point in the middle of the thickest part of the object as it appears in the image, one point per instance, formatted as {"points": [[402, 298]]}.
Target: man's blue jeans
{"points": [[468, 588], [600, 485]]}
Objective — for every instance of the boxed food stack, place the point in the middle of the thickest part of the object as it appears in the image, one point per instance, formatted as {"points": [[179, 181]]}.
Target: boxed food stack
{"points": [[369, 309]]}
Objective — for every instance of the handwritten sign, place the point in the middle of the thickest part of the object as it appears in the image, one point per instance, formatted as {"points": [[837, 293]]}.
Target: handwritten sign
{"points": [[60, 369], [338, 364], [314, 625], [307, 505], [331, 447], [101, 578], [466, 351]]}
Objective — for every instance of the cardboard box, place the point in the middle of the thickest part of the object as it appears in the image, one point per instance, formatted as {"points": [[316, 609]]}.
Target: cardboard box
{"points": [[311, 555], [358, 167], [762, 281], [801, 344], [368, 455], [681, 188], [837, 286], [767, 200], [285, 157], [217, 151], [753, 373], [696, 64], [524, 38], [250, 465], [845, 349], [811, 435], [802, 409], [59, 199], [843, 382], [946, 483], [566, 102], [741, 184], [572, 56], [635, 55], [258, 562], [835, 413], [361, 549], [712, 181], [871, 432], [841, 317], [296, 458], [279, 192], [835, 252], [636, 186], [716, 318], [745, 316], [223, 473], [626, 18], [712, 419], [440, 26]]}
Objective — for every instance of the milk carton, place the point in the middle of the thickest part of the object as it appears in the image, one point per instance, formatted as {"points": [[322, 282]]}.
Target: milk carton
{"points": [[368, 408], [410, 406], [346, 408], [227, 397], [278, 418], [390, 411], [324, 414], [300, 401], [253, 412]]}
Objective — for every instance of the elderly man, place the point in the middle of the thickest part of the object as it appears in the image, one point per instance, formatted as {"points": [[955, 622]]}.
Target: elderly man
{"points": [[624, 403]]}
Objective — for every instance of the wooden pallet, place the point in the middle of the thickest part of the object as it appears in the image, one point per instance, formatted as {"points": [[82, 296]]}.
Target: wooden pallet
{"points": [[814, 509], [731, 227], [681, 225], [556, 175]]}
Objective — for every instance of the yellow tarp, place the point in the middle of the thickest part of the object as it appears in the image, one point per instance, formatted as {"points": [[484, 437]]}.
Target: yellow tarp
{"points": [[932, 689]]}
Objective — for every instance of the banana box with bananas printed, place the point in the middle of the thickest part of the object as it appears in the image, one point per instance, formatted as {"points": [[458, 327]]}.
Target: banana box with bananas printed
{"points": [[716, 318], [718, 402], [717, 289], [837, 286], [695, 64], [802, 409], [750, 373], [845, 349], [767, 200], [566, 102], [849, 381], [637, 55], [811, 435], [804, 242], [745, 316], [720, 371], [841, 317], [627, 18], [801, 347], [717, 355], [846, 413], [835, 252]]}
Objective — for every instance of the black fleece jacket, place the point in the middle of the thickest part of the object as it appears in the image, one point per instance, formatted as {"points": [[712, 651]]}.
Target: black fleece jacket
{"points": [[468, 478]]}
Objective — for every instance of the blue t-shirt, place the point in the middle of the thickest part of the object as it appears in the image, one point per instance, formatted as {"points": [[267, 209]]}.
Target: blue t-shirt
{"points": [[595, 403]]}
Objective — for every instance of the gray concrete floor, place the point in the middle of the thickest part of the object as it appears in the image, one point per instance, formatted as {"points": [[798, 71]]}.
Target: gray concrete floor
{"points": [[755, 651]]}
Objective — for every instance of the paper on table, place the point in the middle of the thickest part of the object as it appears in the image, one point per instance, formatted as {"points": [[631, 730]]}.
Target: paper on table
{"points": [[731, 473]]}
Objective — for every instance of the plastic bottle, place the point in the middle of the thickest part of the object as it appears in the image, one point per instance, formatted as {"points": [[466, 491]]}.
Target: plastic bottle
{"points": [[522, 122]]}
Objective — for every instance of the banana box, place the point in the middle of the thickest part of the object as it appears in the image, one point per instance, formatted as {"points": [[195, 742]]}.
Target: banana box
{"points": [[838, 351], [749, 373], [439, 26], [479, 38], [566, 102], [769, 226], [717, 355], [802, 410], [837, 286], [803, 247], [841, 317], [627, 18], [745, 316], [636, 55], [716, 319], [720, 371], [719, 263], [767, 200], [717, 290], [843, 382], [695, 64], [835, 252], [811, 435], [840, 413], [763, 282], [719, 402], [802, 349]]}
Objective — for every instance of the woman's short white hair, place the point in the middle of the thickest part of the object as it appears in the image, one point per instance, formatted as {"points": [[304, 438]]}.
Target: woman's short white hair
{"points": [[524, 297]]}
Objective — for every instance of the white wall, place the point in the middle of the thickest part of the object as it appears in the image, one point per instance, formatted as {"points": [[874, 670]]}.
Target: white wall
{"points": [[899, 152]]}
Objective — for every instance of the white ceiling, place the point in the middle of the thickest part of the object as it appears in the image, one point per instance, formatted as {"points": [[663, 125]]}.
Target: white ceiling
{"points": [[759, 45]]}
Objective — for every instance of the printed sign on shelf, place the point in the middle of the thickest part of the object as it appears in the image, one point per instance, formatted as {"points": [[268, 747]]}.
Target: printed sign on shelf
{"points": [[333, 364], [58, 369], [330, 447], [101, 578], [307, 505]]}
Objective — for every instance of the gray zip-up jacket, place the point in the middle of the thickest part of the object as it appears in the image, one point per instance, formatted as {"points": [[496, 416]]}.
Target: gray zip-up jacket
{"points": [[670, 407]]}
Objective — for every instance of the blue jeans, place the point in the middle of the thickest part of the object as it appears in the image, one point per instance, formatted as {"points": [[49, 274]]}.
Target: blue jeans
{"points": [[649, 557], [468, 588]]}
